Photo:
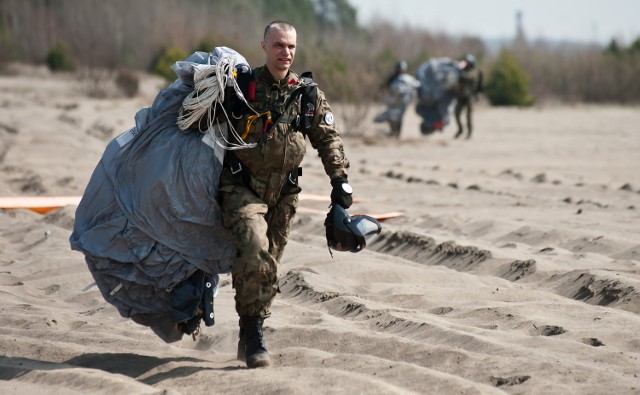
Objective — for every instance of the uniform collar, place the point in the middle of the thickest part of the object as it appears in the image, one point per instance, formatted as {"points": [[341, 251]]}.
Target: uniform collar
{"points": [[264, 75]]}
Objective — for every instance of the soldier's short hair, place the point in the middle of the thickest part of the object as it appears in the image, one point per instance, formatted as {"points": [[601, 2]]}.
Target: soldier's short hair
{"points": [[278, 24]]}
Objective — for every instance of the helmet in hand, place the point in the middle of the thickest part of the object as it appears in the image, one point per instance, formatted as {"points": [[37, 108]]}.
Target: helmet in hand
{"points": [[347, 233]]}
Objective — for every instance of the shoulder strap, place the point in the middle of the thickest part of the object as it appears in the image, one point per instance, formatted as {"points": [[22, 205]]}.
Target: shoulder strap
{"points": [[308, 101], [308, 91], [247, 85]]}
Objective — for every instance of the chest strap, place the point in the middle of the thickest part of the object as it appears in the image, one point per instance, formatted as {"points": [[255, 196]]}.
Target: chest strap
{"points": [[242, 175], [307, 91]]}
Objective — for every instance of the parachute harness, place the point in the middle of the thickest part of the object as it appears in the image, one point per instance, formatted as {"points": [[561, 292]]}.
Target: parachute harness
{"points": [[207, 97]]}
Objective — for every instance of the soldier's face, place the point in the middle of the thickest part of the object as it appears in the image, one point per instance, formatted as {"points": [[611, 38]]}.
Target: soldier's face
{"points": [[280, 48]]}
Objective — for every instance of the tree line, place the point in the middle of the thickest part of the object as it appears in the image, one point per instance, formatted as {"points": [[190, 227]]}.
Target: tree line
{"points": [[349, 61]]}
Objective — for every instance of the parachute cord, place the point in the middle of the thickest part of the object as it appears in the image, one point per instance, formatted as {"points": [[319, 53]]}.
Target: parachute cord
{"points": [[208, 95]]}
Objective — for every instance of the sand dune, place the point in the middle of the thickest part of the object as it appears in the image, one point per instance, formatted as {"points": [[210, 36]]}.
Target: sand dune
{"points": [[514, 269]]}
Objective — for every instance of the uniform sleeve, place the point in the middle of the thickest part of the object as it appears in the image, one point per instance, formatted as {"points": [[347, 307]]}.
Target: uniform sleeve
{"points": [[325, 138]]}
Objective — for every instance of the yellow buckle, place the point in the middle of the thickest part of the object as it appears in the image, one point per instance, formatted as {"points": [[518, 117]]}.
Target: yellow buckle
{"points": [[252, 118]]}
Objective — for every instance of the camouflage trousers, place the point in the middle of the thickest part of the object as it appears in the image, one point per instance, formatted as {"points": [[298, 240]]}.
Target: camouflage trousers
{"points": [[261, 233], [461, 105]]}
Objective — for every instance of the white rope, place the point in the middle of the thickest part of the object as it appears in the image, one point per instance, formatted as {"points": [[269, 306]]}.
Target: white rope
{"points": [[209, 85]]}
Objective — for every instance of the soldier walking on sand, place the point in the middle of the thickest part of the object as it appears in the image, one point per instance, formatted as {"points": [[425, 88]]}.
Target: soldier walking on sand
{"points": [[469, 85], [259, 186], [400, 89]]}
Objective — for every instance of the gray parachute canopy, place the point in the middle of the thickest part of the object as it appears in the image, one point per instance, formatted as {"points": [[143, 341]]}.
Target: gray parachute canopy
{"points": [[149, 218], [402, 90], [438, 80]]}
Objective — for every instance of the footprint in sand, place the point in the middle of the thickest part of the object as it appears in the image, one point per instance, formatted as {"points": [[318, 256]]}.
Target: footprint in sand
{"points": [[51, 289], [549, 330], [508, 381], [509, 172], [539, 178], [441, 310], [30, 184], [626, 187], [100, 130], [592, 341], [8, 129]]}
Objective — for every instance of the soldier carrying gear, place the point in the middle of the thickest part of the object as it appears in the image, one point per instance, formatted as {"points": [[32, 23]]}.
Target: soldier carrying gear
{"points": [[400, 89], [259, 185], [469, 85]]}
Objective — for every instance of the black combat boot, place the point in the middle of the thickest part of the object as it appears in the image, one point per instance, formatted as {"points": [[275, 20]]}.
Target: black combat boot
{"points": [[251, 340]]}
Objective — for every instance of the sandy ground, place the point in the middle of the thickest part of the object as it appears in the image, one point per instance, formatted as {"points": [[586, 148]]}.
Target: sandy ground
{"points": [[515, 268]]}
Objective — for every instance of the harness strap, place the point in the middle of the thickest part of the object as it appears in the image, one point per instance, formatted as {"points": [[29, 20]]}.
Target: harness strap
{"points": [[293, 176], [247, 85], [242, 175], [240, 172], [308, 92]]}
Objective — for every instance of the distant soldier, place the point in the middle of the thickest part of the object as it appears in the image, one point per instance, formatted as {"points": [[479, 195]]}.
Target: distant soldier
{"points": [[400, 90], [469, 85]]}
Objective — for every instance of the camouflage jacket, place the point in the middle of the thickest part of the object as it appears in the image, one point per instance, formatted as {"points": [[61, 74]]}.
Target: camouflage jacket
{"points": [[282, 149], [470, 83]]}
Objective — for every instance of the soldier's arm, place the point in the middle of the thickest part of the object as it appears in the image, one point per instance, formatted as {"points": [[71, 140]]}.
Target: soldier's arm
{"points": [[325, 138]]}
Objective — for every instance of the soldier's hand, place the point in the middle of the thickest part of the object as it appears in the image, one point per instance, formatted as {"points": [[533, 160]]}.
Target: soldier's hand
{"points": [[341, 193]]}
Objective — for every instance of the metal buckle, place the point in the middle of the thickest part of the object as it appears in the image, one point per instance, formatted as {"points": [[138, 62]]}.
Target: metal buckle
{"points": [[235, 168], [252, 118]]}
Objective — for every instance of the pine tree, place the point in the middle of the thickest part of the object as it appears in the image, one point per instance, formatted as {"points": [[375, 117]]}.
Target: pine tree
{"points": [[508, 83]]}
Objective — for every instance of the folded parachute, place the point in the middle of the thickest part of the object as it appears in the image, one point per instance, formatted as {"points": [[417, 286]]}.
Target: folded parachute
{"points": [[438, 79], [402, 91], [149, 223]]}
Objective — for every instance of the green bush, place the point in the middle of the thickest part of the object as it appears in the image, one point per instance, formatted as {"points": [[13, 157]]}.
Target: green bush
{"points": [[215, 39], [59, 59], [164, 61], [508, 84], [206, 45]]}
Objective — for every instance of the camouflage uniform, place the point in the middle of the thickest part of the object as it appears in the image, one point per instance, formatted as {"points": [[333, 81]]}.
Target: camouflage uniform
{"points": [[469, 85], [259, 207]]}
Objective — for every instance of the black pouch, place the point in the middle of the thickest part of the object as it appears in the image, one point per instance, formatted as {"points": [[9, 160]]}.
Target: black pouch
{"points": [[307, 102]]}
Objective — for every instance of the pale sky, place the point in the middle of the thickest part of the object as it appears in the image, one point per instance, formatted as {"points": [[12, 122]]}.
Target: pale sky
{"points": [[572, 20]]}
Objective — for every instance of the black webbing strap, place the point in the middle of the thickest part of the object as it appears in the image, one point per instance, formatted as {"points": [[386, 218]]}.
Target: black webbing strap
{"points": [[239, 107], [239, 171]]}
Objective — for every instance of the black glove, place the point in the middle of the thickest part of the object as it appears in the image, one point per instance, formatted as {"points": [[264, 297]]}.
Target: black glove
{"points": [[341, 193]]}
